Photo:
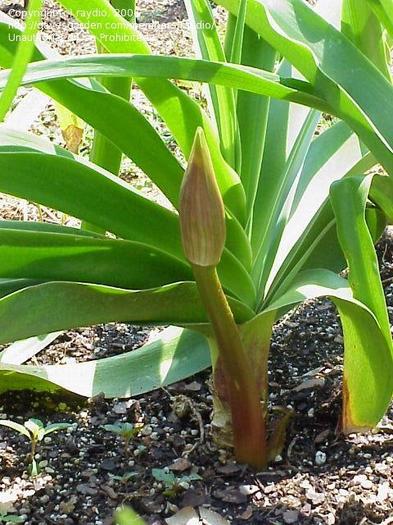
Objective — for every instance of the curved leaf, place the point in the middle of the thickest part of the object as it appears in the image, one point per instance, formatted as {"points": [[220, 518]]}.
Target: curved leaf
{"points": [[169, 100], [368, 358], [21, 351], [159, 363], [15, 426], [23, 56], [354, 88], [65, 257], [309, 239], [209, 48], [100, 198], [362, 27], [252, 115], [55, 306], [121, 122], [288, 138], [155, 66], [12, 141], [80, 191], [384, 11], [9, 286], [349, 198]]}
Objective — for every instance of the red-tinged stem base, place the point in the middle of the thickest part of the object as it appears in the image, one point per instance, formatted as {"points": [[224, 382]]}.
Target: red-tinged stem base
{"points": [[249, 432]]}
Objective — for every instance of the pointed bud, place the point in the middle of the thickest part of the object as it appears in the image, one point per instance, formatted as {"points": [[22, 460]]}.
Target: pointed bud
{"points": [[202, 213]]}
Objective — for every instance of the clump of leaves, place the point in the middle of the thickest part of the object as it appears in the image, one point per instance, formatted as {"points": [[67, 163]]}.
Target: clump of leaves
{"points": [[35, 431], [173, 484], [127, 431]]}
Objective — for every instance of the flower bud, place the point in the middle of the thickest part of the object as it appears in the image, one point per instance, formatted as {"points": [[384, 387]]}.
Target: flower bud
{"points": [[202, 213]]}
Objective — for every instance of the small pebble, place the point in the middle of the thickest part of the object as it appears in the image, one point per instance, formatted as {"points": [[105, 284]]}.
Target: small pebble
{"points": [[320, 458]]}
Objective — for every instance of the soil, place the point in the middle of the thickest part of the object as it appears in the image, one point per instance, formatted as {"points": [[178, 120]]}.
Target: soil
{"points": [[86, 471]]}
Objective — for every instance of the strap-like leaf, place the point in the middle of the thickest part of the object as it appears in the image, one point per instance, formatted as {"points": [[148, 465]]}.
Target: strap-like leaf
{"points": [[289, 135], [384, 11], [252, 114], [362, 27], [165, 361], [121, 121], [17, 141], [58, 306], [104, 200], [119, 37], [21, 351], [230, 75], [8, 286], [368, 364], [209, 47], [80, 191], [368, 360], [355, 89], [309, 239], [65, 257]]}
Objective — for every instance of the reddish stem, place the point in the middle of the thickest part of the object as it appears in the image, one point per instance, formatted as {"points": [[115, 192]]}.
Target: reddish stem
{"points": [[249, 430]]}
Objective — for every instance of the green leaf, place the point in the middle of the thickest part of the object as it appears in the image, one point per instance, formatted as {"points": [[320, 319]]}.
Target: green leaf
{"points": [[290, 132], [118, 37], [209, 48], [21, 351], [354, 88], [126, 516], [164, 361], [69, 257], [55, 427], [384, 11], [238, 35], [164, 475], [58, 306], [363, 406], [13, 141], [121, 122], [22, 56], [80, 191], [102, 199], [362, 27], [349, 199], [368, 358], [15, 426], [252, 113], [230, 75], [309, 239], [11, 518], [122, 429], [8, 286], [47, 227], [35, 427], [381, 193]]}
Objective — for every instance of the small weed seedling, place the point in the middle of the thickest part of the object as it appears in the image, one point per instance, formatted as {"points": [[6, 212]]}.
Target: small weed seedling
{"points": [[125, 478], [173, 484], [10, 518], [127, 431], [126, 516], [35, 431]]}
